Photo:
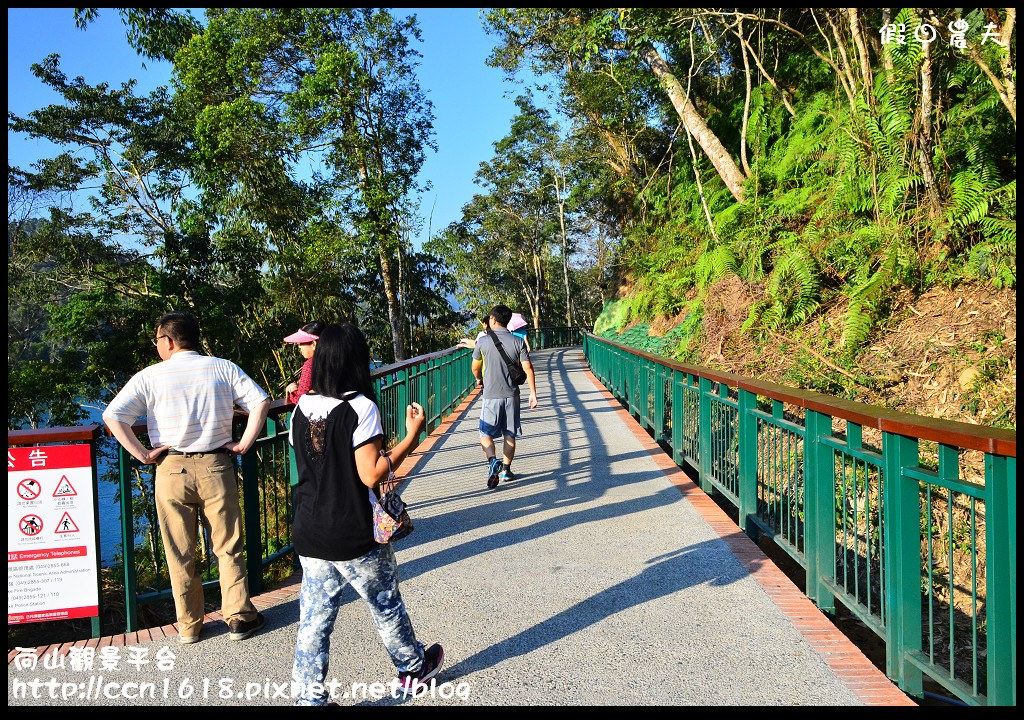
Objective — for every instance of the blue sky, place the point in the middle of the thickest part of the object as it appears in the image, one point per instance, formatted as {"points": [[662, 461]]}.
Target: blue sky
{"points": [[473, 103]]}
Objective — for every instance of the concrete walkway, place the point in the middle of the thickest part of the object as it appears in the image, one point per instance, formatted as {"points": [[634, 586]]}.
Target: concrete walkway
{"points": [[601, 576]]}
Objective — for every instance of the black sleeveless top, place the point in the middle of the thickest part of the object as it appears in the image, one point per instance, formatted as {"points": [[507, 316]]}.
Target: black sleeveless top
{"points": [[333, 516]]}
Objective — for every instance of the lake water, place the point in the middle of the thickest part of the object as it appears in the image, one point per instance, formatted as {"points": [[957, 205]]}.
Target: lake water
{"points": [[106, 492], [110, 522]]}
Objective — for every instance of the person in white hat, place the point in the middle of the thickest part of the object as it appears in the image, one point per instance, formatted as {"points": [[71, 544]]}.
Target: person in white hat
{"points": [[305, 338]]}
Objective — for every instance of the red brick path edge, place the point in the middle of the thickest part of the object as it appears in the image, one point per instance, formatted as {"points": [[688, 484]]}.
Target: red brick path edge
{"points": [[283, 592], [844, 658]]}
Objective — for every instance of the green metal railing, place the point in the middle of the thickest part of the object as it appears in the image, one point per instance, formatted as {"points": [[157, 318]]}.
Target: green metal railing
{"points": [[554, 337], [914, 531]]}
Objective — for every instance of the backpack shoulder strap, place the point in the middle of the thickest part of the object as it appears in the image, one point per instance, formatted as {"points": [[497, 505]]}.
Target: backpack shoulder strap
{"points": [[499, 346]]}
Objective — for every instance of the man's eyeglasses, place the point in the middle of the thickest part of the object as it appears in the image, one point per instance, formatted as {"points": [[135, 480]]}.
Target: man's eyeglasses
{"points": [[156, 339]]}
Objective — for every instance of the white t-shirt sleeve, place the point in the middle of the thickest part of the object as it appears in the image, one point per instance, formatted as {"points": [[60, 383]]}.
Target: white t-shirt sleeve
{"points": [[129, 404], [247, 394], [369, 426]]}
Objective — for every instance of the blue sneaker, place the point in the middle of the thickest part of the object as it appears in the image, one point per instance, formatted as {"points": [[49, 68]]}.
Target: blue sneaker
{"points": [[507, 475], [492, 473]]}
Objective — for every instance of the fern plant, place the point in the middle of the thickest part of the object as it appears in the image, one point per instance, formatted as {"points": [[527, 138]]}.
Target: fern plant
{"points": [[793, 289], [871, 292], [713, 265]]}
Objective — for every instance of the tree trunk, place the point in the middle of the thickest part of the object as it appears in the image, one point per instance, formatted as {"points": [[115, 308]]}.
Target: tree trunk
{"points": [[560, 194], [1006, 86], [771, 81], [862, 52], [731, 175], [395, 319], [886, 54], [394, 308], [746, 102], [924, 147], [538, 279], [624, 166], [700, 186]]}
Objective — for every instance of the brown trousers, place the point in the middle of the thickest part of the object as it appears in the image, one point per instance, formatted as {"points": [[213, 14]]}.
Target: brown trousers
{"points": [[190, 487]]}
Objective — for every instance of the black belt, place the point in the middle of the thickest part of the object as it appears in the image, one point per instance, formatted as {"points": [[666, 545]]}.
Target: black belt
{"points": [[204, 452]]}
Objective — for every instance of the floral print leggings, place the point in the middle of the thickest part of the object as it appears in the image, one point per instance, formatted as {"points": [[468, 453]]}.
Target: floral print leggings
{"points": [[375, 577]]}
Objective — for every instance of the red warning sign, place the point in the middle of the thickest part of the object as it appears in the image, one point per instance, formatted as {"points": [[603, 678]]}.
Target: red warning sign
{"points": [[66, 525], [29, 489], [30, 525], [64, 488]]}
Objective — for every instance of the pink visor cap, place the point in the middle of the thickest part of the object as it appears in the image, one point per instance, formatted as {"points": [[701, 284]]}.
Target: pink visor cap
{"points": [[301, 336], [517, 321]]}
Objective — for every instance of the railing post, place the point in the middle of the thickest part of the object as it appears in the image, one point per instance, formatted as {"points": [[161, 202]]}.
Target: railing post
{"points": [[293, 480], [251, 521], [902, 507], [628, 381], [819, 510], [422, 397], [131, 603], [704, 434], [403, 381], [659, 403], [646, 421], [748, 463], [1001, 582], [1011, 505], [97, 620], [293, 470], [448, 397], [617, 371], [678, 456]]}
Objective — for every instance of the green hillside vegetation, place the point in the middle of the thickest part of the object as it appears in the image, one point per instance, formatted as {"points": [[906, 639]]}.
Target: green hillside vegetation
{"points": [[861, 182], [822, 197]]}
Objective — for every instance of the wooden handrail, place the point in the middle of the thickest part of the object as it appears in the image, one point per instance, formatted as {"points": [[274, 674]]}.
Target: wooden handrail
{"points": [[36, 436], [996, 441], [401, 365], [279, 407]]}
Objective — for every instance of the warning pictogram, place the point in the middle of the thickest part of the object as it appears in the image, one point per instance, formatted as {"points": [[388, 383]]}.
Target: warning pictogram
{"points": [[64, 488], [66, 525], [29, 489], [31, 525]]}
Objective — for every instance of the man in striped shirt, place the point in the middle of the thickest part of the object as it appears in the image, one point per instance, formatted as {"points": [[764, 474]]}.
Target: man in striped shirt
{"points": [[188, 400]]}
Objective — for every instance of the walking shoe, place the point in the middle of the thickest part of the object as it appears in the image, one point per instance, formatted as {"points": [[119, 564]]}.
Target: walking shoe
{"points": [[492, 473], [507, 475], [188, 639], [433, 658], [241, 629]]}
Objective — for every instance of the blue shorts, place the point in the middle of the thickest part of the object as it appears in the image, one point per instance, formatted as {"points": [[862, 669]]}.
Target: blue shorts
{"points": [[500, 417]]}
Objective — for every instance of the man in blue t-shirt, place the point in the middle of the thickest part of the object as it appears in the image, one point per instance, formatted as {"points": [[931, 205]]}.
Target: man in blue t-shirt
{"points": [[499, 410]]}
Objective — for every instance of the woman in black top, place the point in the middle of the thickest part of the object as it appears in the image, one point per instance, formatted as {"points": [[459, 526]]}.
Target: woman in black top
{"points": [[338, 442]]}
